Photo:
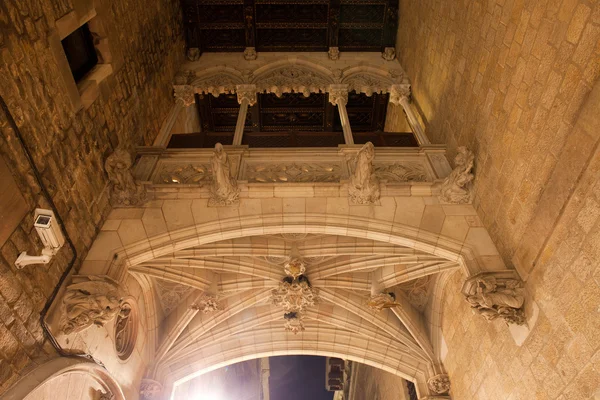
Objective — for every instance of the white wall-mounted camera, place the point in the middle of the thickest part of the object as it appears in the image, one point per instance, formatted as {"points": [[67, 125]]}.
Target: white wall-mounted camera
{"points": [[52, 238]]}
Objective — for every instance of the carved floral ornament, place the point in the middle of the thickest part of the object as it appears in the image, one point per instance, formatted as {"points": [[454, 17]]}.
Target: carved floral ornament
{"points": [[439, 384], [303, 79]]}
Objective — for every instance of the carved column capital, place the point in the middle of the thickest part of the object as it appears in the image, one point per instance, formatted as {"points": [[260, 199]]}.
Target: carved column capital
{"points": [[389, 54], [150, 389], [89, 300], [439, 384], [125, 191], [338, 94], [184, 94], [457, 188], [497, 294], [246, 92], [400, 92]]}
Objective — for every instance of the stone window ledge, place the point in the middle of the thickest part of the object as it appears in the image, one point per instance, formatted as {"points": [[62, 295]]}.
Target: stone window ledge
{"points": [[89, 87]]}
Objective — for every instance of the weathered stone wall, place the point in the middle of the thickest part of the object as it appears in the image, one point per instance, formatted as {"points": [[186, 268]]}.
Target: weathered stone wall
{"points": [[507, 78], [69, 148]]}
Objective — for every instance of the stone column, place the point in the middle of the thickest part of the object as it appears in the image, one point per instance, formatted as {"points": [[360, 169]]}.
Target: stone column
{"points": [[400, 96], [246, 96], [338, 96]]}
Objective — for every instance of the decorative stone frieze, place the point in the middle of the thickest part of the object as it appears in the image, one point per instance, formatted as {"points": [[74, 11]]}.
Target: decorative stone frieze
{"points": [[292, 79], [293, 172], [368, 83], [198, 174], [207, 303], [439, 384], [250, 53], [381, 301], [193, 54], [364, 185], [402, 172], [217, 84], [150, 389], [496, 295], [184, 94], [338, 94], [90, 300], [246, 92], [334, 53], [389, 54], [398, 93], [125, 191], [224, 188], [457, 188]]}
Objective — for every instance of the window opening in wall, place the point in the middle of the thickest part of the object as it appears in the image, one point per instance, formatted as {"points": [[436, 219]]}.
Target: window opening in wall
{"points": [[80, 51], [412, 390]]}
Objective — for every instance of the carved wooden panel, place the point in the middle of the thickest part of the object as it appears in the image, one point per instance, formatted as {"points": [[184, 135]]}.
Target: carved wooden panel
{"points": [[290, 25]]}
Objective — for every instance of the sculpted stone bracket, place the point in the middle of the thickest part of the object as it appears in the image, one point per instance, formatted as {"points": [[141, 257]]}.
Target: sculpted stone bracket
{"points": [[496, 295]]}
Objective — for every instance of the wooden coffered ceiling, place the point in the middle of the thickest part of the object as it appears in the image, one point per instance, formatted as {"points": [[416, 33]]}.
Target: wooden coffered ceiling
{"points": [[290, 25]]}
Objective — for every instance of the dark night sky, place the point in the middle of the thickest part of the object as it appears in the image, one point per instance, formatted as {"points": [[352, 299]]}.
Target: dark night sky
{"points": [[298, 378]]}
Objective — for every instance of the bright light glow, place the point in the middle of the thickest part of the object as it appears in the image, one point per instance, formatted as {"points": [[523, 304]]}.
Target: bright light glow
{"points": [[208, 396]]}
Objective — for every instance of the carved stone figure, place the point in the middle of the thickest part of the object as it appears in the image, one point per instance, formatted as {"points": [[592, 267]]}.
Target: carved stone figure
{"points": [[457, 188], [250, 53], [150, 389], [439, 384], [224, 189], [382, 300], [496, 297], [334, 53], [90, 300], [125, 191], [193, 54], [123, 320], [364, 185], [206, 303], [389, 54]]}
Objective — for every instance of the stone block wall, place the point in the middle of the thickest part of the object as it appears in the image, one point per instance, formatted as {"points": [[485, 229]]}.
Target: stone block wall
{"points": [[507, 78], [374, 383], [70, 146]]}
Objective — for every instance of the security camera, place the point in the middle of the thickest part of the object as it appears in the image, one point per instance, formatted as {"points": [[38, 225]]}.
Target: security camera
{"points": [[51, 236]]}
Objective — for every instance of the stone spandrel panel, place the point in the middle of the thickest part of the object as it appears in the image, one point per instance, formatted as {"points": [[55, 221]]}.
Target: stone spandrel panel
{"points": [[71, 148]]}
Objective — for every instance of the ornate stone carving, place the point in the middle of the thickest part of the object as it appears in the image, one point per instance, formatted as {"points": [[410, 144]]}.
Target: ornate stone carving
{"points": [[207, 303], [224, 189], [293, 172], [364, 185], [246, 92], [496, 295], [398, 93], [294, 295], [439, 384], [292, 79], [170, 294], [150, 389], [193, 54], [90, 300], [368, 84], [294, 322], [294, 267], [389, 54], [125, 190], [184, 94], [338, 94], [402, 172], [457, 188], [199, 174], [250, 53], [126, 326], [217, 84], [334, 53], [417, 291], [382, 300]]}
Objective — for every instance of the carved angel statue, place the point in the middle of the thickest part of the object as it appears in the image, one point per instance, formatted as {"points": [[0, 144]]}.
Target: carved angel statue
{"points": [[224, 189], [364, 185], [498, 299], [125, 191], [90, 300], [457, 188]]}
